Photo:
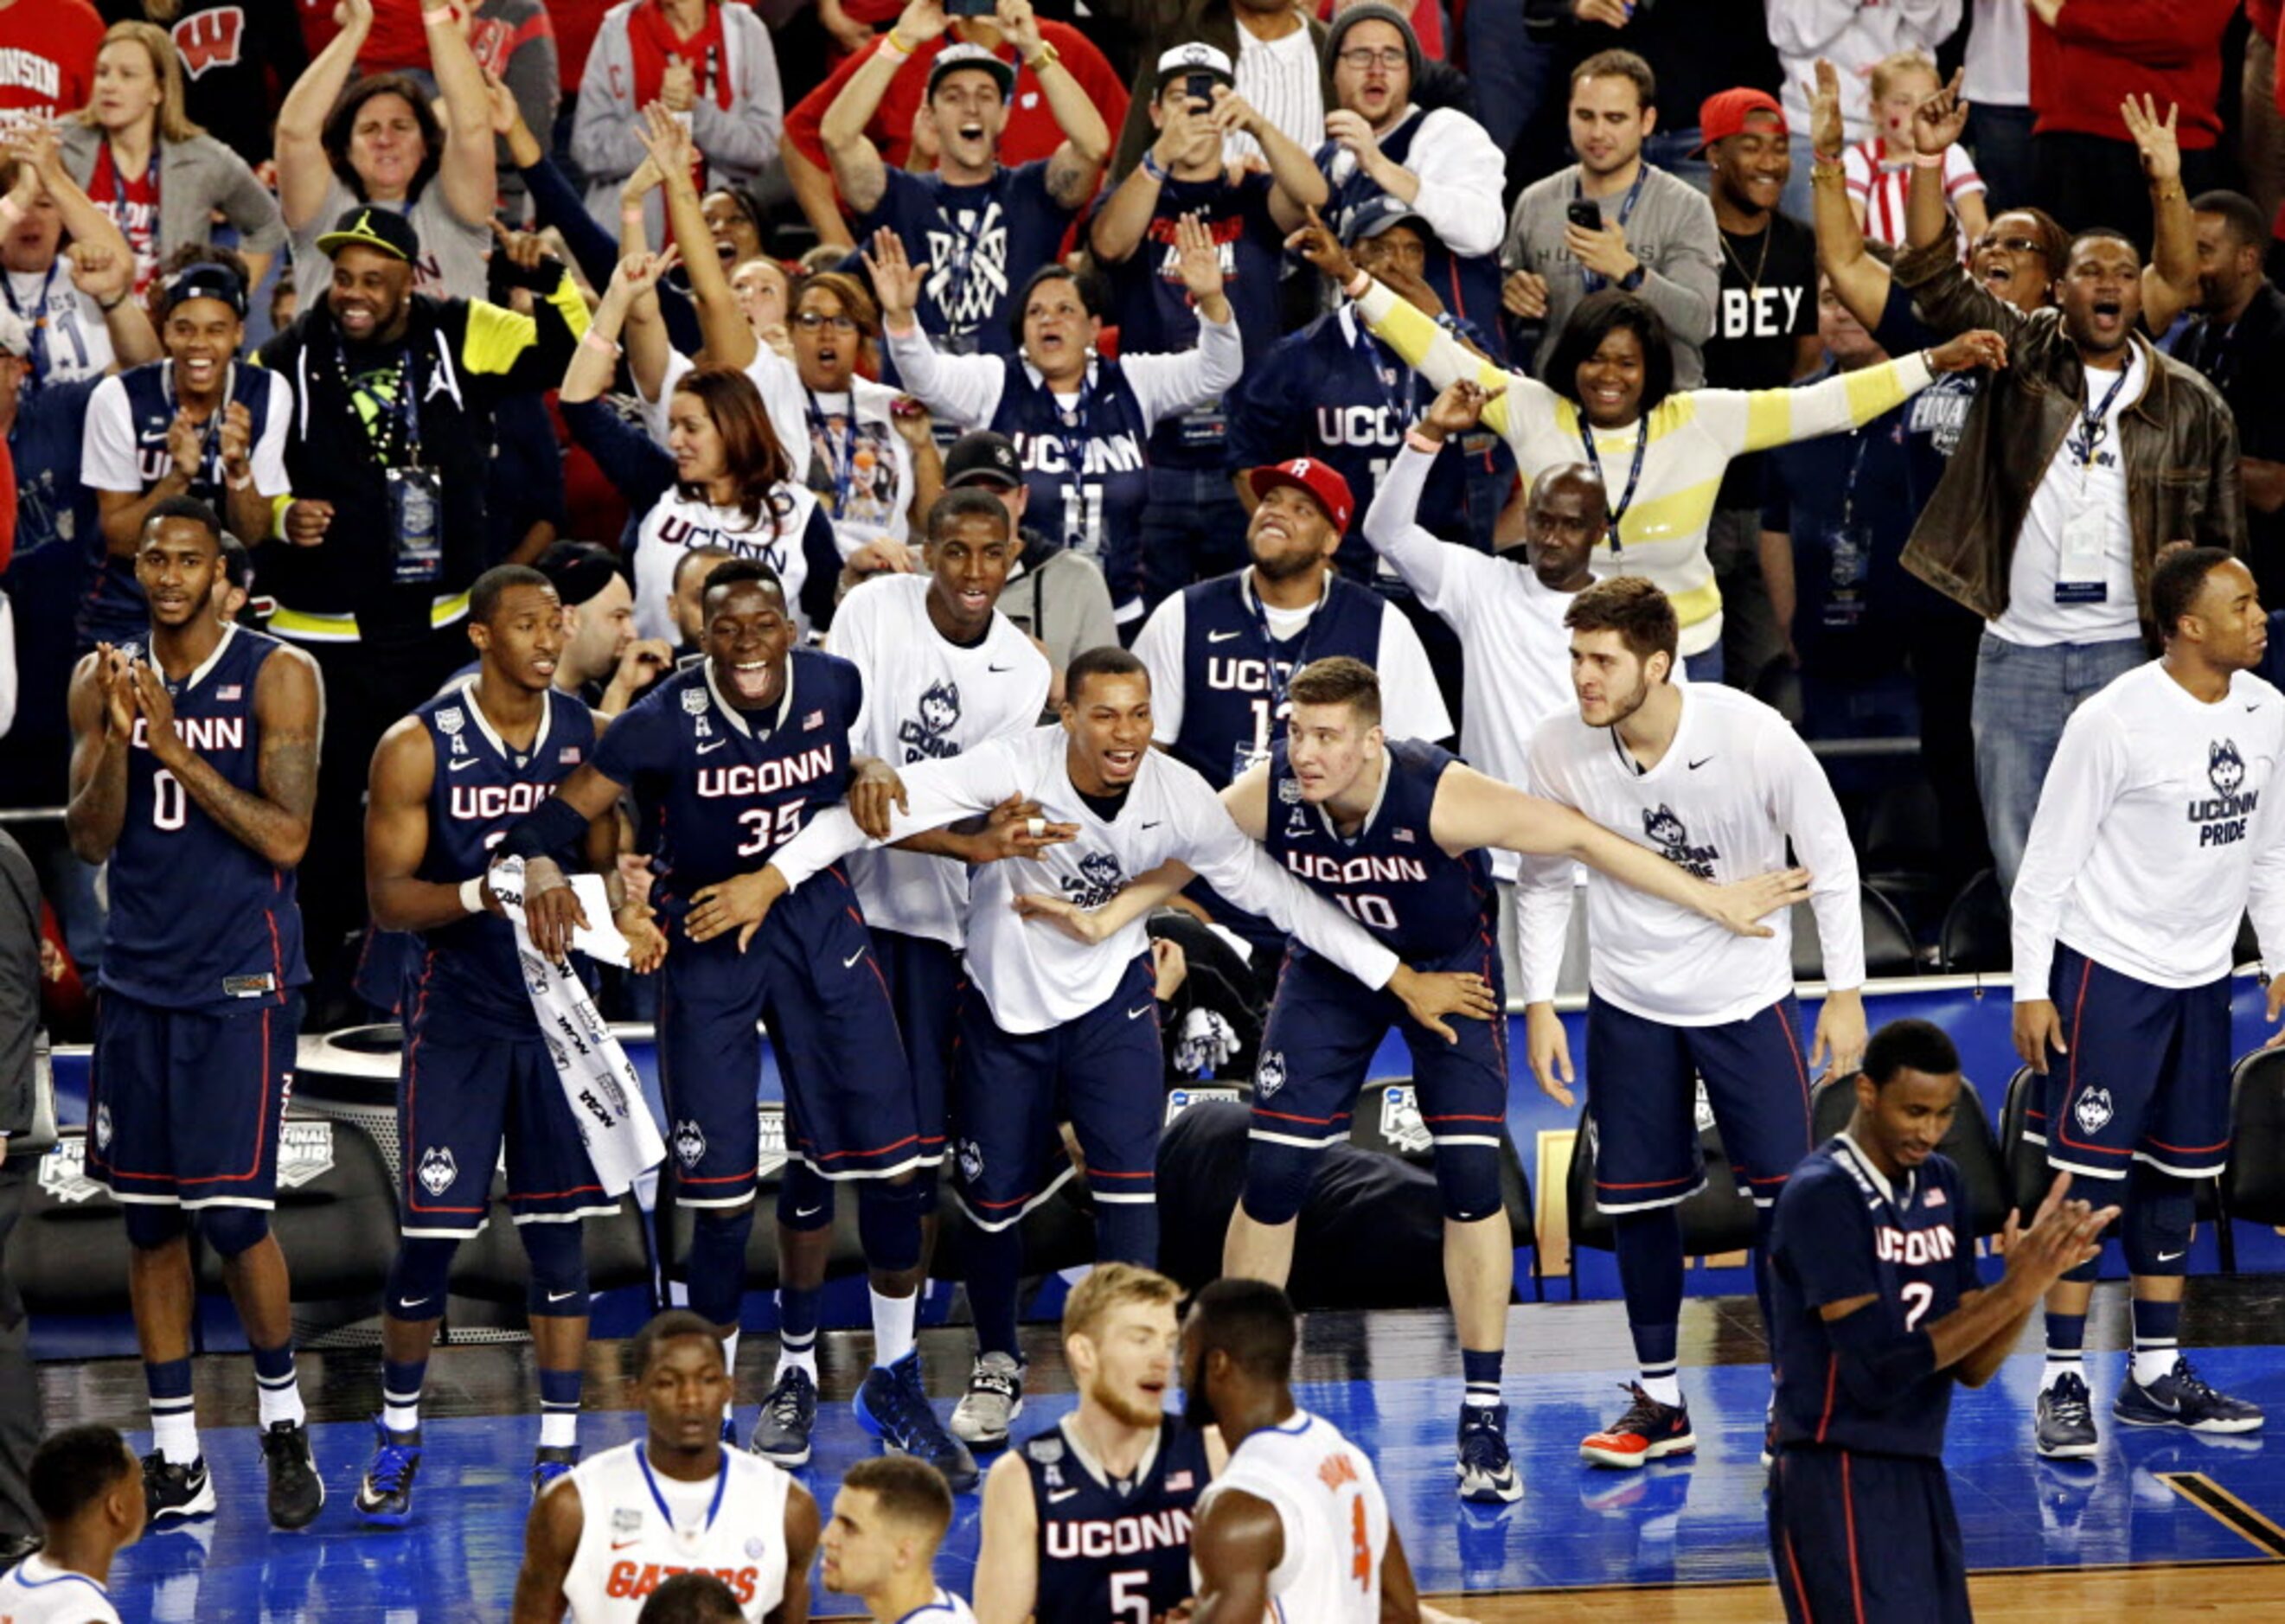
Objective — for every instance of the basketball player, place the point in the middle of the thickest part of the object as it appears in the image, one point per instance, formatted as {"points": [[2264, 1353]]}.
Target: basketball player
{"points": [[1090, 1518], [1396, 833], [1716, 783], [447, 782], [89, 1487], [2150, 842], [1296, 1526], [889, 1517], [193, 774], [943, 671], [679, 1500], [729, 759], [1876, 1312], [1058, 1029]]}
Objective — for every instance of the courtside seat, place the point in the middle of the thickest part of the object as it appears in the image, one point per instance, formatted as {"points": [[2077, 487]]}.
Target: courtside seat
{"points": [[2253, 1186], [1970, 1144], [1888, 947], [1716, 1219], [1973, 939], [69, 1252]]}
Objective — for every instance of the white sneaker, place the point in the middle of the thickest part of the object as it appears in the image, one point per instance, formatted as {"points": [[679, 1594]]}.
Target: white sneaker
{"points": [[994, 1398]]}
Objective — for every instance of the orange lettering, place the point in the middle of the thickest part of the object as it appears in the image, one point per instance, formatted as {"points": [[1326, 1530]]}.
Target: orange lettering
{"points": [[744, 1581], [616, 1585], [1335, 1470], [1361, 1567]]}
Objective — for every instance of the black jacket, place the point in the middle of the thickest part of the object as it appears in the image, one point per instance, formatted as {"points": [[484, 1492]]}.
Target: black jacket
{"points": [[20, 983]]}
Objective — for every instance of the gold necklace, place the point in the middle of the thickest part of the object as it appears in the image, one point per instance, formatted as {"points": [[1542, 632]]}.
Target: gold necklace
{"points": [[1753, 277]]}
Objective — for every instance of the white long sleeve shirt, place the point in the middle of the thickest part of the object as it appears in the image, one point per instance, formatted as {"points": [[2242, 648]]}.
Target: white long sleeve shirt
{"points": [[1463, 174], [1853, 36], [1033, 977], [966, 390], [1735, 784], [2158, 826]]}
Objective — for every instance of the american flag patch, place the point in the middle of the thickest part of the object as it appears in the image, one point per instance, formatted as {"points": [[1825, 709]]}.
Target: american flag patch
{"points": [[814, 720], [1177, 1481], [223, 696], [1934, 1198], [1402, 837], [569, 755]]}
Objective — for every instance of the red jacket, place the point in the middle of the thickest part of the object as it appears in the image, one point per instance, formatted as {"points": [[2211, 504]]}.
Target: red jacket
{"points": [[2099, 50]]}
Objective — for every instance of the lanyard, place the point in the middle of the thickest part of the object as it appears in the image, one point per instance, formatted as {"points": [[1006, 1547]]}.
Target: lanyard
{"points": [[38, 321], [119, 185], [721, 1483], [1855, 467], [2096, 424], [1269, 662], [405, 408], [1594, 280], [1397, 399], [1634, 476], [840, 450]]}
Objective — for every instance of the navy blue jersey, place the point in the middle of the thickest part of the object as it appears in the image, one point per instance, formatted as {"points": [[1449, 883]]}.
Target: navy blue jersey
{"points": [[720, 789], [1468, 285], [1234, 674], [198, 919], [1840, 1236], [978, 243], [1084, 468], [1100, 1551], [1391, 876], [482, 787]]}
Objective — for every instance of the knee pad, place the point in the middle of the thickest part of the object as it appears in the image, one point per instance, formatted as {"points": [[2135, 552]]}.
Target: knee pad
{"points": [[229, 1231], [2156, 1228], [2096, 1193], [418, 1280], [1468, 1182], [889, 1221], [150, 1227], [1277, 1179], [805, 1199], [558, 1254]]}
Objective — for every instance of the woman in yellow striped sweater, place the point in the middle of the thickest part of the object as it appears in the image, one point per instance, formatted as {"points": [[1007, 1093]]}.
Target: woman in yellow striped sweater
{"points": [[1609, 400]]}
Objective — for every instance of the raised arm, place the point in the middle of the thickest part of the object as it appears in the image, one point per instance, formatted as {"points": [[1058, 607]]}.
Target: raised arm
{"points": [[1860, 281], [1435, 570], [1756, 420], [1300, 184], [304, 173], [596, 362], [104, 269], [467, 172], [1075, 168], [962, 389], [2170, 281], [1166, 384], [272, 820], [858, 173]]}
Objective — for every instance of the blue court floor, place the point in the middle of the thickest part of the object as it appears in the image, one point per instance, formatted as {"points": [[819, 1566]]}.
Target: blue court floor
{"points": [[1670, 1523]]}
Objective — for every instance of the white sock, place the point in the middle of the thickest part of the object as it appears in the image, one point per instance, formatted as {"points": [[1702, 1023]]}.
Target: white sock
{"points": [[400, 1415], [1666, 1389], [2059, 1365], [730, 1363], [892, 1327], [2153, 1364], [177, 1435], [793, 1355], [280, 1401], [558, 1429]]}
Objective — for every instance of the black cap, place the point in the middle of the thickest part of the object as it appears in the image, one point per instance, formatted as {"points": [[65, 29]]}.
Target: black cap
{"points": [[982, 457], [372, 226], [577, 570], [206, 279]]}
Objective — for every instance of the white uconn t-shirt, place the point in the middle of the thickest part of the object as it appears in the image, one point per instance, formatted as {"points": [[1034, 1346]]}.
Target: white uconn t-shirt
{"points": [[1331, 1508], [676, 524], [639, 1528], [1033, 976], [926, 699]]}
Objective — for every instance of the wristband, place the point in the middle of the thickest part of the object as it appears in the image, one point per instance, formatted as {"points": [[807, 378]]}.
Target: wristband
{"points": [[472, 894], [1152, 167], [893, 43], [594, 340], [1358, 285], [114, 304], [1419, 442], [236, 482], [437, 15], [1927, 161]]}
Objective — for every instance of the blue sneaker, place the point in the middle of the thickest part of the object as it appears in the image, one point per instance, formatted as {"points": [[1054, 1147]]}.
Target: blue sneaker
{"points": [[550, 1461], [788, 1416], [384, 1498], [2065, 1428], [1486, 1471], [2179, 1399], [894, 1407]]}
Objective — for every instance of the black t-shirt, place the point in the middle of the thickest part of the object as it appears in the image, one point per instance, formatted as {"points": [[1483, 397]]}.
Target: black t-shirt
{"points": [[2246, 362], [1768, 300]]}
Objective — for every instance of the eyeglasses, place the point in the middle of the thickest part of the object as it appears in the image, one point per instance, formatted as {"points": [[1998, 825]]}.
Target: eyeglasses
{"points": [[2013, 245], [811, 321], [1365, 57]]}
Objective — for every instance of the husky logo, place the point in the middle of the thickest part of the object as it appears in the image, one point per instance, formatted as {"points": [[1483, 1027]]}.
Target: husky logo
{"points": [[1099, 879], [1671, 837], [437, 1170], [2092, 1110], [689, 1143], [925, 739], [103, 1127], [2225, 766], [2224, 817], [211, 39], [971, 1155], [1269, 1074], [535, 971], [1401, 1123]]}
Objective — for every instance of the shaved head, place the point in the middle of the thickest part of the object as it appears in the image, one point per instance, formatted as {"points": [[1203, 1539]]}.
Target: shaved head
{"points": [[1566, 515]]}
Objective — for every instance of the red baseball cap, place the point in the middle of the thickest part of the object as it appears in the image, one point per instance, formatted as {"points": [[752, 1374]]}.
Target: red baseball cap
{"points": [[1315, 475], [1725, 112]]}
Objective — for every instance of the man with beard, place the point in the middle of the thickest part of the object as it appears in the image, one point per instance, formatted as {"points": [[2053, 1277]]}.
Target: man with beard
{"points": [[1118, 1475], [2238, 345]]}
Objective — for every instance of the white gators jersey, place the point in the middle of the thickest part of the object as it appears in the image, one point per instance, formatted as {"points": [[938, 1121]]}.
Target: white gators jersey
{"points": [[927, 699], [1735, 783], [942, 1608], [2158, 826], [1033, 977], [35, 1591], [640, 1529], [1335, 1518]]}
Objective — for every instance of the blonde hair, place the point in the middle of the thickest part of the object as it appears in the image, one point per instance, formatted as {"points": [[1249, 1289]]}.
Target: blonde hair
{"points": [[1114, 1285], [1889, 68], [174, 121]]}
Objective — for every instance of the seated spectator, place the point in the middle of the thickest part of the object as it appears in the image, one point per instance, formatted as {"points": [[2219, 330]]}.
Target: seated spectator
{"points": [[1193, 525], [56, 41], [1656, 239], [69, 332], [377, 141], [89, 1487], [161, 178], [1276, 51], [194, 424], [2238, 343], [1880, 171], [977, 227], [710, 63], [1852, 37], [603, 664], [1033, 127], [1081, 423]]}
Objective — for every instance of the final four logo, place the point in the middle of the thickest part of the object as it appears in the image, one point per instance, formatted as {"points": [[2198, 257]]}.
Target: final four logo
{"points": [[927, 739]]}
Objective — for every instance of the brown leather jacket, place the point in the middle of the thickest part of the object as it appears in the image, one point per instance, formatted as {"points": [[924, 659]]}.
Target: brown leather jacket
{"points": [[2180, 442]]}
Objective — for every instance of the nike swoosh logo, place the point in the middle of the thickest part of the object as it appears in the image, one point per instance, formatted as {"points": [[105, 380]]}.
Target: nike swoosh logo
{"points": [[2249, 710], [2168, 1257], [1700, 762], [996, 670], [807, 1212], [1213, 636], [717, 745], [1136, 1015], [851, 962], [557, 1296], [409, 1307], [623, 1544], [468, 761], [1057, 1496], [1153, 823]]}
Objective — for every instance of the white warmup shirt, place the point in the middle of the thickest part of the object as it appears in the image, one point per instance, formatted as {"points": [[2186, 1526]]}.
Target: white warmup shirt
{"points": [[927, 698], [1033, 976], [639, 1527], [2077, 543], [110, 459], [2158, 826], [1332, 1510], [35, 1591], [1721, 802]]}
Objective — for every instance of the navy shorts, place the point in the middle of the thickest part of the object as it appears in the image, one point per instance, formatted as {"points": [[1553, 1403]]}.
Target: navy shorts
{"points": [[924, 979], [1322, 1030], [2147, 1075], [1867, 1538], [1104, 1073], [460, 1094], [184, 1105], [812, 975], [1642, 1103]]}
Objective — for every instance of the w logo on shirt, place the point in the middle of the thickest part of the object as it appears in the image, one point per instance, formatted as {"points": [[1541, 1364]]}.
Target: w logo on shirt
{"points": [[211, 39]]}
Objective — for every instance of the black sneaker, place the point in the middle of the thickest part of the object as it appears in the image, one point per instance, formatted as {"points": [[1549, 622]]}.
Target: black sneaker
{"points": [[788, 1416], [297, 1491], [894, 1406], [2064, 1427], [171, 1492], [384, 1496], [2179, 1399], [1486, 1470], [550, 1461]]}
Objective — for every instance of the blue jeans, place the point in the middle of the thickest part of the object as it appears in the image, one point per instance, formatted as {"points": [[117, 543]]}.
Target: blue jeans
{"points": [[1704, 667], [1509, 68], [1193, 528], [2001, 140], [2023, 696], [1671, 150]]}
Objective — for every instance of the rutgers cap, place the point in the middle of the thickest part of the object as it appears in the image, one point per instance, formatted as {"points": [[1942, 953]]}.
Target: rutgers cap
{"points": [[952, 58], [383, 230], [982, 457], [1725, 113], [1315, 475]]}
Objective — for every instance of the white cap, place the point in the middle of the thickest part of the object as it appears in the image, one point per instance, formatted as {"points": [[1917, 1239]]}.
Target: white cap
{"points": [[1198, 57]]}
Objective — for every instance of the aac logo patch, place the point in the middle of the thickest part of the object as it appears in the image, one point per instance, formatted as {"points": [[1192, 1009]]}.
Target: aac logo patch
{"points": [[2093, 1113]]}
